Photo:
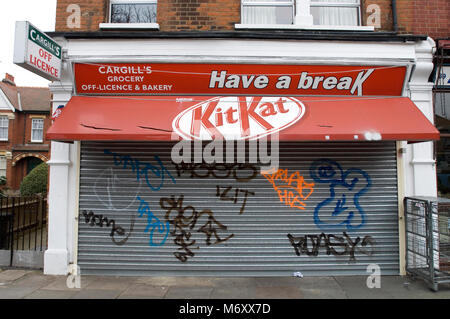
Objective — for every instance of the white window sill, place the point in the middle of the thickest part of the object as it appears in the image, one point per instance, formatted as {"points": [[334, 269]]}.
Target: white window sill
{"points": [[129, 26], [304, 27]]}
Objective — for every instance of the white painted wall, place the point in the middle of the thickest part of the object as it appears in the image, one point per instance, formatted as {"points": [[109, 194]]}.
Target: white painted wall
{"points": [[418, 162], [421, 165]]}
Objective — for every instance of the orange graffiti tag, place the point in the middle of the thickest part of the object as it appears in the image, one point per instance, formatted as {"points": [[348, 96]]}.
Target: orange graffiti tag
{"points": [[294, 191]]}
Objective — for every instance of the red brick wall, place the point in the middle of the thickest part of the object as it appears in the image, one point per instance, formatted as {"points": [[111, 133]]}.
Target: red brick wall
{"points": [[19, 133], [427, 17], [92, 12], [176, 15], [385, 13], [47, 123], [6, 145], [430, 17], [173, 15]]}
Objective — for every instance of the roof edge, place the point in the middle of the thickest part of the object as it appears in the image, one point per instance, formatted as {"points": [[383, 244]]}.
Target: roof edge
{"points": [[278, 34]]}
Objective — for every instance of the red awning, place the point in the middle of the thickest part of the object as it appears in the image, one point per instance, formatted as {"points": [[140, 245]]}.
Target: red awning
{"points": [[156, 118]]}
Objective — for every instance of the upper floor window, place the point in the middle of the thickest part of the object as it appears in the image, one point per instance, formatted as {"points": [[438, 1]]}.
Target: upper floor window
{"points": [[37, 130], [2, 166], [268, 11], [132, 11], [4, 126], [336, 12], [302, 12]]}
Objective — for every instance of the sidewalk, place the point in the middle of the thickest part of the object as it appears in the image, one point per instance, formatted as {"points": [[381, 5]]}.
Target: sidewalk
{"points": [[32, 284]]}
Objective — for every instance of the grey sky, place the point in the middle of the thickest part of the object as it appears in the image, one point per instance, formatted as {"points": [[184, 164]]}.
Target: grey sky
{"points": [[41, 13]]}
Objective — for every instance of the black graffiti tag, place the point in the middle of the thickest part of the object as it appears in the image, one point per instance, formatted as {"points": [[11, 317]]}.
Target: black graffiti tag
{"points": [[335, 245], [100, 220], [224, 194], [241, 172], [184, 220]]}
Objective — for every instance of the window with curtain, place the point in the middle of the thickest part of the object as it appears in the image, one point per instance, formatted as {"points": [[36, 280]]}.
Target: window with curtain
{"points": [[132, 11], [2, 166], [37, 130], [268, 11], [336, 12], [4, 126], [324, 12]]}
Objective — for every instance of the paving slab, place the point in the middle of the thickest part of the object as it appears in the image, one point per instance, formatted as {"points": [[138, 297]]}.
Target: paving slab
{"points": [[233, 293], [60, 283], [278, 281], [414, 289], [96, 294], [110, 283], [142, 290], [50, 294], [283, 292], [34, 280], [177, 281], [12, 274], [189, 293], [230, 282], [321, 288], [15, 292], [356, 288]]}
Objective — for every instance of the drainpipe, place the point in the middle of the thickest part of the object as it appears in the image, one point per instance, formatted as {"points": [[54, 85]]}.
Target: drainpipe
{"points": [[394, 15]]}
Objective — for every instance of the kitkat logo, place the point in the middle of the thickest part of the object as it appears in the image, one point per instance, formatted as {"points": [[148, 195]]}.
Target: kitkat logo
{"points": [[238, 117]]}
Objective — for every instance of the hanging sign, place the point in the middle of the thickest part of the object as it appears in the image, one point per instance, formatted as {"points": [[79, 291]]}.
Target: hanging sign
{"points": [[37, 52], [237, 79]]}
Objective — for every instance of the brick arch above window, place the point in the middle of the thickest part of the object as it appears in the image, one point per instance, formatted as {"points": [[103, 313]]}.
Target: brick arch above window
{"points": [[24, 155]]}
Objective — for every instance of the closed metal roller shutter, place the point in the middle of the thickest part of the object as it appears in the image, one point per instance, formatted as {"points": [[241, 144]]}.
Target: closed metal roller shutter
{"points": [[331, 209]]}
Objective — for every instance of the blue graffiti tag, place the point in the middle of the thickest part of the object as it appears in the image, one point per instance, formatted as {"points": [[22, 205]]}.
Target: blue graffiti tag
{"points": [[346, 188], [152, 223], [142, 169]]}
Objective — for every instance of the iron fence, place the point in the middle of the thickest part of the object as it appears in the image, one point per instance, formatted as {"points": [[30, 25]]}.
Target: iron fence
{"points": [[23, 225], [428, 239]]}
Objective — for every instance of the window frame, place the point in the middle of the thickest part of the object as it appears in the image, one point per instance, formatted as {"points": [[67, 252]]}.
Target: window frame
{"points": [[135, 26], [112, 2], [332, 4], [3, 161], [2, 118], [33, 129], [309, 26], [285, 3]]}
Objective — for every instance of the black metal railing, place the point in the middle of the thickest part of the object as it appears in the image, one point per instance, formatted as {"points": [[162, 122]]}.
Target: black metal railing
{"points": [[23, 223]]}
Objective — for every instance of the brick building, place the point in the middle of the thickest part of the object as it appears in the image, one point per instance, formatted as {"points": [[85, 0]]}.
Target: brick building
{"points": [[430, 17], [25, 117], [343, 84]]}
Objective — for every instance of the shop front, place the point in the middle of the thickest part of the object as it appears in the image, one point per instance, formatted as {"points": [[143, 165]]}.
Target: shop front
{"points": [[237, 165]]}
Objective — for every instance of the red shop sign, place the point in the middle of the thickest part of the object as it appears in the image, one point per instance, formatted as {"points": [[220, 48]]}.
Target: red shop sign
{"points": [[237, 79]]}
